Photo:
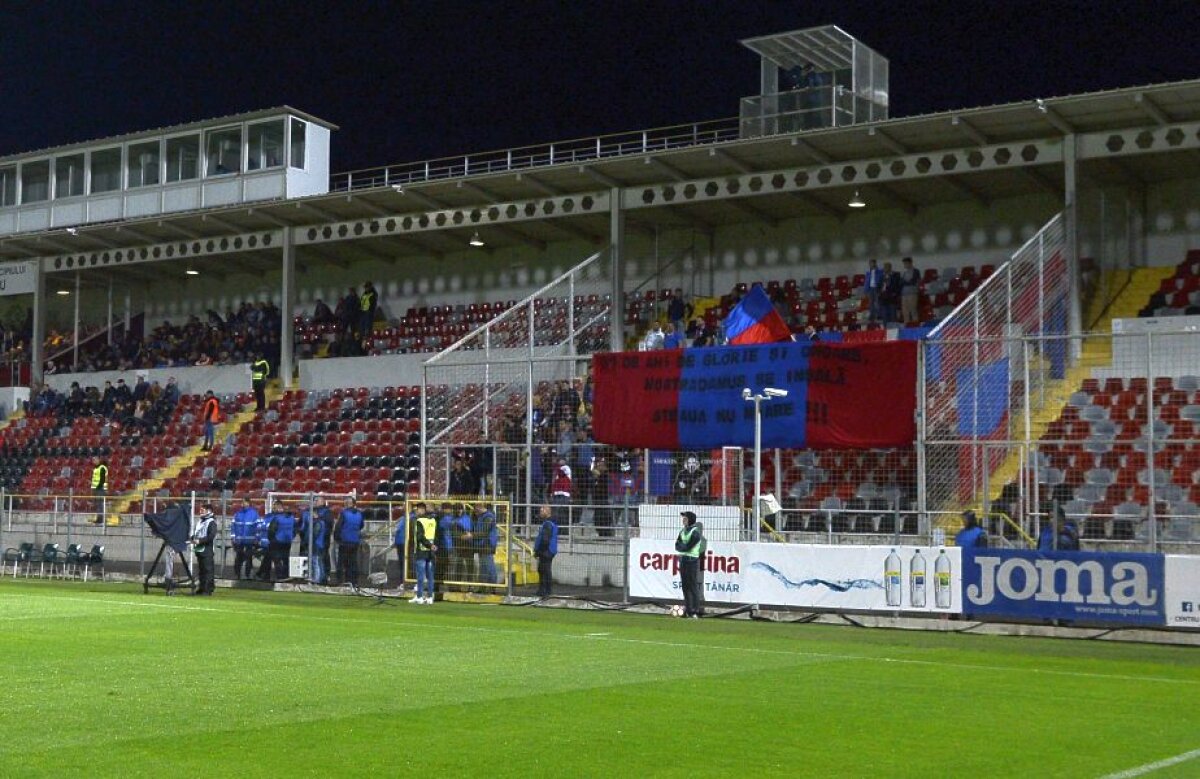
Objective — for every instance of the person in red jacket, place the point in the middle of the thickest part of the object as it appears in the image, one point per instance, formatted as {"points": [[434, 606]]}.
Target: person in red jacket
{"points": [[560, 491], [210, 413]]}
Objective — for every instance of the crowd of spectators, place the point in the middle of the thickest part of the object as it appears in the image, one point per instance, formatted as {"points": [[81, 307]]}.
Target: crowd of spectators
{"points": [[144, 408]]}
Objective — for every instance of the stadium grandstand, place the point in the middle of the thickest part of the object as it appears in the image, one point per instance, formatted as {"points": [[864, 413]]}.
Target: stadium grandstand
{"points": [[430, 327]]}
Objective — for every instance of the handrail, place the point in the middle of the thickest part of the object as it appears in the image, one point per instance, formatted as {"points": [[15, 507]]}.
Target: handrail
{"points": [[571, 151], [1015, 526]]}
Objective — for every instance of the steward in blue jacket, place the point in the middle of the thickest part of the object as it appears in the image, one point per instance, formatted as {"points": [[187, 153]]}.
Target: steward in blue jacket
{"points": [[348, 534], [545, 547], [487, 538], [400, 536], [322, 529], [464, 543], [243, 531], [445, 546], [281, 529]]}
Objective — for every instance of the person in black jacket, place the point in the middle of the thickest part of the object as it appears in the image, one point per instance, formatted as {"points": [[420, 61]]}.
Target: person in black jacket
{"points": [[203, 538]]}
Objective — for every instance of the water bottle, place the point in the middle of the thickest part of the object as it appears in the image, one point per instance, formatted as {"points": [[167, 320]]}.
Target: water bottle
{"points": [[916, 575], [941, 581], [892, 585]]}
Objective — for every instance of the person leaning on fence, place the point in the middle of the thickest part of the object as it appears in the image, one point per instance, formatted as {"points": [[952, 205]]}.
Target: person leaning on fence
{"points": [[971, 535], [545, 548], [243, 533], [203, 538], [281, 528], [348, 534], [425, 529], [690, 545], [262, 535]]}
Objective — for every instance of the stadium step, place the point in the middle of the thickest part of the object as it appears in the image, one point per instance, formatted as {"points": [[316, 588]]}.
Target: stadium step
{"points": [[185, 459], [524, 569], [1096, 353]]}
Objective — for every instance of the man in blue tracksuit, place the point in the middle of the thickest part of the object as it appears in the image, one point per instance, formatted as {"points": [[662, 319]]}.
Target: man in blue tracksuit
{"points": [[545, 548], [487, 538], [281, 527], [399, 537], [322, 529], [464, 552], [262, 537], [243, 533], [348, 534], [302, 523], [445, 545]]}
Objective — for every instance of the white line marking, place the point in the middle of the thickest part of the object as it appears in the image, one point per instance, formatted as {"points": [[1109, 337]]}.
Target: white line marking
{"points": [[1142, 770], [292, 609]]}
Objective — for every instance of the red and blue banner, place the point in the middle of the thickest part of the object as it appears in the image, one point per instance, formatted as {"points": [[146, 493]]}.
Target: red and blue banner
{"points": [[754, 320], [840, 396]]}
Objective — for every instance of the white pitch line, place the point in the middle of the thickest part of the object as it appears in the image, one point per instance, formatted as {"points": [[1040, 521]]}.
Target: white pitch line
{"points": [[1142, 770], [674, 644]]}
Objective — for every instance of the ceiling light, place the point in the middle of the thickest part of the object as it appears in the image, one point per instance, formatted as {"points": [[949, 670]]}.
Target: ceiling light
{"points": [[64, 292], [398, 189], [856, 201], [192, 271], [476, 240], [72, 231]]}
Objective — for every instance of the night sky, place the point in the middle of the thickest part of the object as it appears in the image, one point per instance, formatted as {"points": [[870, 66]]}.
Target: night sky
{"points": [[415, 80]]}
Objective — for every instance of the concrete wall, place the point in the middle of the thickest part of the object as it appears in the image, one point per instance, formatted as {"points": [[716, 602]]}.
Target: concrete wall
{"points": [[221, 379]]}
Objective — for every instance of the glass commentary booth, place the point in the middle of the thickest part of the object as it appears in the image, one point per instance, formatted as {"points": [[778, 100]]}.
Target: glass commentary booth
{"points": [[262, 155]]}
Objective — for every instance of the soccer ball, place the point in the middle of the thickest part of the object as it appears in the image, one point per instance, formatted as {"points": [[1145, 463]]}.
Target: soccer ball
{"points": [[676, 611]]}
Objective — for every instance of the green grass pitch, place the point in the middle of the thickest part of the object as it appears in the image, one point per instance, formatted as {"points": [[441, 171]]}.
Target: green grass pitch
{"points": [[100, 680]]}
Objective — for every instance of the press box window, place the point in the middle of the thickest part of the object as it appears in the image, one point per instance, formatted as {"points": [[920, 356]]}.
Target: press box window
{"points": [[35, 181], [298, 128], [106, 170], [266, 145], [8, 186], [143, 164], [224, 152], [183, 158], [68, 176]]}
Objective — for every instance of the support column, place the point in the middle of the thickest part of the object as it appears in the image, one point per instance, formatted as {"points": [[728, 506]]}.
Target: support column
{"points": [[108, 322], [129, 311], [38, 337], [287, 336], [616, 240], [1071, 242], [75, 334]]}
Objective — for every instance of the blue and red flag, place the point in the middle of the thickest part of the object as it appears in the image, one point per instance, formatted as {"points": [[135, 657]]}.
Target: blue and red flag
{"points": [[754, 320], [853, 396]]}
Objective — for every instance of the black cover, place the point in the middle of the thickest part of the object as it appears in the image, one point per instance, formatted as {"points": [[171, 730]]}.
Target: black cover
{"points": [[173, 526]]}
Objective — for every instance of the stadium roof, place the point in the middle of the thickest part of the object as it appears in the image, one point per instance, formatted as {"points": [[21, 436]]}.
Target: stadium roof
{"points": [[1041, 123]]}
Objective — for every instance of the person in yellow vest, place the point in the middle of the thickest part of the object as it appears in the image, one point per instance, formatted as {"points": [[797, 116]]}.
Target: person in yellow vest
{"points": [[690, 545], [99, 487], [424, 550], [368, 302], [260, 369]]}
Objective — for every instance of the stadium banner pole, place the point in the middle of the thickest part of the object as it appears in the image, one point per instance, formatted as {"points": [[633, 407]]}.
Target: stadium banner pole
{"points": [[191, 548], [923, 518], [1151, 439], [312, 517], [625, 555], [424, 426], [509, 573]]}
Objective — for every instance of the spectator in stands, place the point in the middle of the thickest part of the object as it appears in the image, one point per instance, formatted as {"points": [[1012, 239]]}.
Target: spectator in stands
{"points": [[560, 488], [140, 389], [893, 286], [971, 535], [566, 440], [108, 399], [1059, 533], [203, 538], [368, 304], [873, 288], [322, 313], [598, 495], [545, 548], [909, 293], [674, 338], [348, 310], [691, 482], [243, 533], [678, 310], [210, 415], [461, 481], [348, 534], [260, 369], [654, 339]]}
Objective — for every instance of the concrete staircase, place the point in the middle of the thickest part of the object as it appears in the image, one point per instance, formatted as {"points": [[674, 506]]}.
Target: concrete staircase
{"points": [[1134, 289], [188, 457]]}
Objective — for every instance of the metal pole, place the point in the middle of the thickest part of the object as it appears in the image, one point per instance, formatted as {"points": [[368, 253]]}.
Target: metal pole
{"points": [[108, 322], [757, 467], [922, 435], [1152, 514], [75, 344], [142, 541]]}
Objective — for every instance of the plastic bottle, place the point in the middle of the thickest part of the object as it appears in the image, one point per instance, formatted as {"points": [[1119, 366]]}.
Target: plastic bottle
{"points": [[917, 580], [892, 584], [942, 581]]}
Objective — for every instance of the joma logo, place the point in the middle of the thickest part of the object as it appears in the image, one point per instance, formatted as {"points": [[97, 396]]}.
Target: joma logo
{"points": [[1127, 584]]}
